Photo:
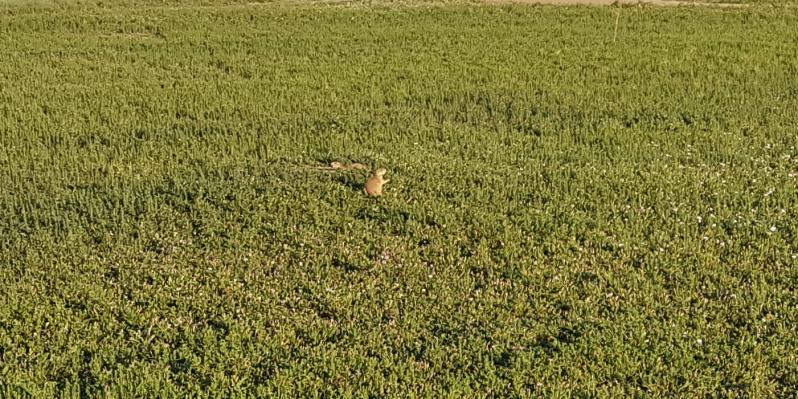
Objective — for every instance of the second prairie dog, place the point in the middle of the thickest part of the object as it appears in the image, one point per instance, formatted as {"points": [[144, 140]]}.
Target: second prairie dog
{"points": [[374, 184], [355, 165], [335, 165]]}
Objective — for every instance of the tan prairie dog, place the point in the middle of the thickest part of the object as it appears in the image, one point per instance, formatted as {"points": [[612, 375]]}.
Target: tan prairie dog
{"points": [[357, 165], [335, 165], [374, 184]]}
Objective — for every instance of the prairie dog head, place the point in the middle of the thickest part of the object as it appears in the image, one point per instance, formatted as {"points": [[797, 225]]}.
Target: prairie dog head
{"points": [[380, 172]]}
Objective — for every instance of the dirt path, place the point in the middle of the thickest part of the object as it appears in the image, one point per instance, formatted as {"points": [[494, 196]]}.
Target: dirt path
{"points": [[611, 2], [664, 3]]}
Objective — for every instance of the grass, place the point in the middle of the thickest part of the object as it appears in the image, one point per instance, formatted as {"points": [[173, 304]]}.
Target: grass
{"points": [[567, 216]]}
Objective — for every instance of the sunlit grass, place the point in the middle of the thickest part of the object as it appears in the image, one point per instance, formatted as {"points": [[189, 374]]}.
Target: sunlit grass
{"points": [[567, 215]]}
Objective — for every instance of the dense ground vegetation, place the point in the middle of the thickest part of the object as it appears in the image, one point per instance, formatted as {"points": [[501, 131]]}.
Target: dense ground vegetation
{"points": [[570, 213]]}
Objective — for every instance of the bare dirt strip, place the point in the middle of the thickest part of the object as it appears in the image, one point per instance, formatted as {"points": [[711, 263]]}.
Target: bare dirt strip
{"points": [[666, 3]]}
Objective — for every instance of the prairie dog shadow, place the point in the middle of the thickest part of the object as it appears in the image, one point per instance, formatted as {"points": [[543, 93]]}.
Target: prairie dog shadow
{"points": [[354, 181]]}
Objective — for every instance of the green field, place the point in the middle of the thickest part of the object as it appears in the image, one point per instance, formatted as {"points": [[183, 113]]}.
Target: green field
{"points": [[572, 212]]}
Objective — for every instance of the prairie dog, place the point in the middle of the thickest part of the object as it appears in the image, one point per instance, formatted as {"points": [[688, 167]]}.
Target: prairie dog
{"points": [[374, 184], [335, 165]]}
